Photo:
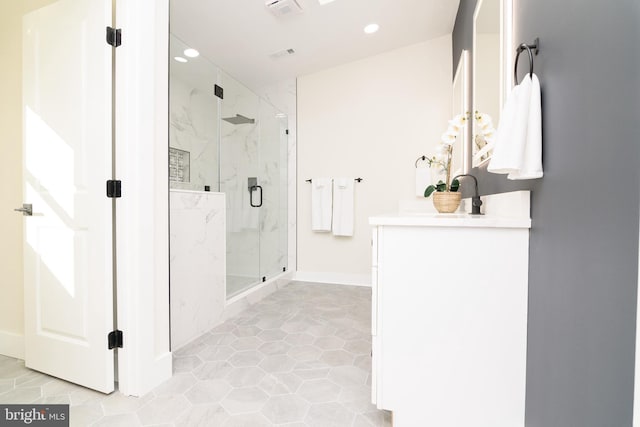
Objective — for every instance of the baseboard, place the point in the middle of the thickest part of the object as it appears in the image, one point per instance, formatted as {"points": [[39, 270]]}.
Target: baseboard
{"points": [[12, 344], [333, 278], [143, 381]]}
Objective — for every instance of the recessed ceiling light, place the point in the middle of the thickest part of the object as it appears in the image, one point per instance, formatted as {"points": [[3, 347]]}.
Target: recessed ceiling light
{"points": [[180, 59], [323, 2], [371, 28], [191, 53]]}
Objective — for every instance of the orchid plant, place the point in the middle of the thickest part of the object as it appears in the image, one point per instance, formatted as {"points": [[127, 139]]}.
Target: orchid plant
{"points": [[444, 154], [484, 132]]}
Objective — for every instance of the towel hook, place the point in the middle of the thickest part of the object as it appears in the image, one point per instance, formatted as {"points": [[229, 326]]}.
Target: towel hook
{"points": [[528, 47]]}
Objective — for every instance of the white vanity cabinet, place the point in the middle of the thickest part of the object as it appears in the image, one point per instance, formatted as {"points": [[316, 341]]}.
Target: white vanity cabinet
{"points": [[449, 319]]}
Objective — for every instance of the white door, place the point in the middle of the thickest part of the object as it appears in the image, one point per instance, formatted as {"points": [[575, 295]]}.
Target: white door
{"points": [[67, 80]]}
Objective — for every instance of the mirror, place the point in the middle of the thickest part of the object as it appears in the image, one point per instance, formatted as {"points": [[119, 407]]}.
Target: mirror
{"points": [[492, 81], [460, 103]]}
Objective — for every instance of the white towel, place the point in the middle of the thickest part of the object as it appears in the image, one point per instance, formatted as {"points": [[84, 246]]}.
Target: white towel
{"points": [[321, 204], [343, 192], [518, 146], [423, 180]]}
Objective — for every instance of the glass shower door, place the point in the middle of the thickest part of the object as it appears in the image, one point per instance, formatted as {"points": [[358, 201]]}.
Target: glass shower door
{"points": [[273, 174], [239, 162]]}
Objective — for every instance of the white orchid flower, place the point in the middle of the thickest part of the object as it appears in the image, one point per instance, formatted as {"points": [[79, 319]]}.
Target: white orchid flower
{"points": [[457, 123], [454, 130], [489, 134], [487, 129], [448, 138], [483, 119], [441, 155]]}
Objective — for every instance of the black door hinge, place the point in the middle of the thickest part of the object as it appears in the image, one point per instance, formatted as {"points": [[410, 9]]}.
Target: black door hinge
{"points": [[114, 36], [114, 189], [287, 132], [218, 91], [114, 339]]}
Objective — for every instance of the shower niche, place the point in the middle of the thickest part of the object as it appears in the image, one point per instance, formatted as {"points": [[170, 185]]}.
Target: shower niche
{"points": [[224, 138]]}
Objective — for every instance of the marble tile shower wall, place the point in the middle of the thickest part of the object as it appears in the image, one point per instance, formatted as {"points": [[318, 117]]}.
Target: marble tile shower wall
{"points": [[197, 263], [193, 130], [193, 127]]}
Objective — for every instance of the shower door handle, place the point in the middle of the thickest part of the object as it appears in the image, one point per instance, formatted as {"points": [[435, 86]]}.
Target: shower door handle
{"points": [[251, 190]]}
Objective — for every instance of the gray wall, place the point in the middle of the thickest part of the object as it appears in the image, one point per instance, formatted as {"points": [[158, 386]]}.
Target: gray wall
{"points": [[584, 240]]}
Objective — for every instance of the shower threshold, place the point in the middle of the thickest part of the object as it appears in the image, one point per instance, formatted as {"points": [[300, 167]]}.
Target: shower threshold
{"points": [[238, 284]]}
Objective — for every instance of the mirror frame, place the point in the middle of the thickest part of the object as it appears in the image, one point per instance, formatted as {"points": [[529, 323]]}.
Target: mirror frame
{"points": [[506, 73], [462, 105]]}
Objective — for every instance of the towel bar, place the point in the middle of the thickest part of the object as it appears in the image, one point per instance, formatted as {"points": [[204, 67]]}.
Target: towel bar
{"points": [[528, 47], [356, 179]]}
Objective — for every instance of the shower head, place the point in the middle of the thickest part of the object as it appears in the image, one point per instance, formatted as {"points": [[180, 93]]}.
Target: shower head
{"points": [[239, 120]]}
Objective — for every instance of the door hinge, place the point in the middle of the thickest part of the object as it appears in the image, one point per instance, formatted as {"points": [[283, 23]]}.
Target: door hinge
{"points": [[287, 132], [114, 339], [114, 36], [114, 189]]}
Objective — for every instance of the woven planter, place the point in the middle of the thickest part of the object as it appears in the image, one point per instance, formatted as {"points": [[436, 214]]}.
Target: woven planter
{"points": [[446, 201]]}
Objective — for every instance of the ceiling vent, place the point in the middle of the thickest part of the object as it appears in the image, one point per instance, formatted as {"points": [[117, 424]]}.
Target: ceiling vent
{"points": [[282, 54], [283, 8]]}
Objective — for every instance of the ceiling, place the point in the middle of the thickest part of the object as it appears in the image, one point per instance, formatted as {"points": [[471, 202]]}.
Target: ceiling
{"points": [[240, 35]]}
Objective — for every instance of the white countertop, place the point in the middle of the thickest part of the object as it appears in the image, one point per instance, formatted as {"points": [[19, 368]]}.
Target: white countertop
{"points": [[449, 220], [505, 210]]}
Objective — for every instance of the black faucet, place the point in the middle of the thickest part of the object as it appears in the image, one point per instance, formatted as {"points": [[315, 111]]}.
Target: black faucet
{"points": [[475, 200]]}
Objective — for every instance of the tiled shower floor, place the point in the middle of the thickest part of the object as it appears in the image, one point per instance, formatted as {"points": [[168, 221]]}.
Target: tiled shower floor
{"points": [[300, 357]]}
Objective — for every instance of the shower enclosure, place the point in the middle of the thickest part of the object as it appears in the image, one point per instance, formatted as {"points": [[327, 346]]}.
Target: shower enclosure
{"points": [[225, 138]]}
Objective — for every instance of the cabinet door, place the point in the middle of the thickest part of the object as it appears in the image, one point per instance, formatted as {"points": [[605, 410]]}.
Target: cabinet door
{"points": [[452, 334]]}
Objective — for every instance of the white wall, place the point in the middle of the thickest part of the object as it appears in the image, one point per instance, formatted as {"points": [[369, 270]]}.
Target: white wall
{"points": [[371, 118], [142, 124]]}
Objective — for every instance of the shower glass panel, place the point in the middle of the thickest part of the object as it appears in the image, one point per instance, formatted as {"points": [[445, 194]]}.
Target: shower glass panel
{"points": [[193, 123], [240, 161], [273, 174], [235, 144], [253, 175]]}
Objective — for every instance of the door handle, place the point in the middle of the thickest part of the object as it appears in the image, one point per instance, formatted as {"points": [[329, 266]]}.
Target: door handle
{"points": [[26, 209], [251, 190]]}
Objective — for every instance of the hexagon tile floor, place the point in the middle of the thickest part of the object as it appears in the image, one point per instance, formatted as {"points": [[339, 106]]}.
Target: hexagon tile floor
{"points": [[300, 357]]}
